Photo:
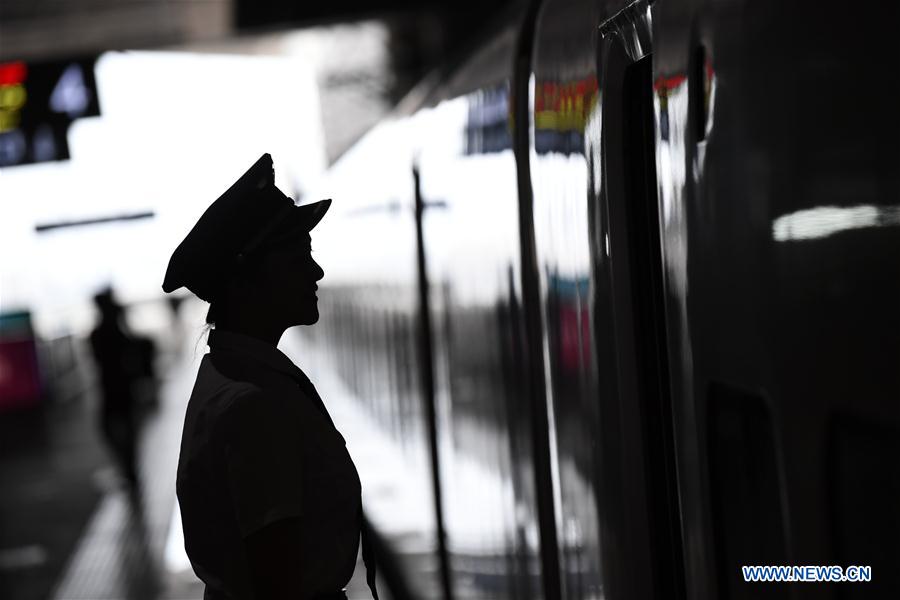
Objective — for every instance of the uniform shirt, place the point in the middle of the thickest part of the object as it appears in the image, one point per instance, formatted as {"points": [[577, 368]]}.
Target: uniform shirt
{"points": [[259, 446]]}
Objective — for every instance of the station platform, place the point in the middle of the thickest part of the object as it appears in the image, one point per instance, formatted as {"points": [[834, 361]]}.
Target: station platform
{"points": [[135, 550]]}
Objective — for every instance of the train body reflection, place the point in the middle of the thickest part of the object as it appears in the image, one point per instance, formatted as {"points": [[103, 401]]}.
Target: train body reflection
{"points": [[595, 286]]}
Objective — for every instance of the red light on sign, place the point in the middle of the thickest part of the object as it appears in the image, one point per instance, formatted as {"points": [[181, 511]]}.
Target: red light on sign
{"points": [[668, 83], [12, 73]]}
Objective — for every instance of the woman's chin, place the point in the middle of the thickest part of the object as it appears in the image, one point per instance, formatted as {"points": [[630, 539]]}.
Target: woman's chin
{"points": [[309, 317]]}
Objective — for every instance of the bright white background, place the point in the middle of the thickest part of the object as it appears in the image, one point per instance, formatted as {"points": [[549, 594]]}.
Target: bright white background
{"points": [[176, 130]]}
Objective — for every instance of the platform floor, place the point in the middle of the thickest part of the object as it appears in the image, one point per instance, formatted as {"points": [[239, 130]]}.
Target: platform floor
{"points": [[53, 469]]}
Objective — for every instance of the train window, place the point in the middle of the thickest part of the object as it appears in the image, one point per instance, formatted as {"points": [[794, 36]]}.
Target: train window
{"points": [[744, 485]]}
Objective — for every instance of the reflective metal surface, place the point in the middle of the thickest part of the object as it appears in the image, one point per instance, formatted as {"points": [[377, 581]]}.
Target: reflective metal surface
{"points": [[782, 253], [468, 184], [593, 219], [710, 292], [564, 151]]}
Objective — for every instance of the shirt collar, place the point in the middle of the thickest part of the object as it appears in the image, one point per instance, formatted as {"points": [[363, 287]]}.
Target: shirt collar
{"points": [[254, 349]]}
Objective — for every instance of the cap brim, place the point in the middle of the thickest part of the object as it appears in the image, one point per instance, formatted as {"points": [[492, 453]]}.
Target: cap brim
{"points": [[299, 220], [312, 213]]}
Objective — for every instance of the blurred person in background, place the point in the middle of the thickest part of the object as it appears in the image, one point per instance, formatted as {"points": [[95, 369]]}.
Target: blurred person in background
{"points": [[269, 496], [121, 361]]}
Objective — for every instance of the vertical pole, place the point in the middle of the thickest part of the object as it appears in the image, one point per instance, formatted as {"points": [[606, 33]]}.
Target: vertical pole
{"points": [[426, 355]]}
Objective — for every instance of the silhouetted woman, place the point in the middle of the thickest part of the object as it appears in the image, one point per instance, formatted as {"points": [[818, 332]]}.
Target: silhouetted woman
{"points": [[269, 496]]}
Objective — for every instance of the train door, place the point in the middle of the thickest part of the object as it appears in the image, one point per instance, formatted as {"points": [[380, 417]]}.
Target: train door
{"points": [[777, 152], [597, 255]]}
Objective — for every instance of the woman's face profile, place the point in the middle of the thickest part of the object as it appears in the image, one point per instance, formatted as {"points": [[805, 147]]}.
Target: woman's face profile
{"points": [[291, 274]]}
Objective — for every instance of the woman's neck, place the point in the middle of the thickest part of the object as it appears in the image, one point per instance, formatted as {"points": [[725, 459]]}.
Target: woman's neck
{"points": [[252, 322]]}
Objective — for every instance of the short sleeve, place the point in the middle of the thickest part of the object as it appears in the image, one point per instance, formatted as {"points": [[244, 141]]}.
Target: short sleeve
{"points": [[262, 460]]}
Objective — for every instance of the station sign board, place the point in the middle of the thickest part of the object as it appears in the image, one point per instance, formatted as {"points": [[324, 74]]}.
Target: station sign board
{"points": [[38, 102]]}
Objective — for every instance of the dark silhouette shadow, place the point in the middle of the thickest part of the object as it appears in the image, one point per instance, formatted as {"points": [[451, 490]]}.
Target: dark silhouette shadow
{"points": [[269, 496], [123, 360]]}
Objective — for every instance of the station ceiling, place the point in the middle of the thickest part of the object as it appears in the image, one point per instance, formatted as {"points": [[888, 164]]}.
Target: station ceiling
{"points": [[48, 29]]}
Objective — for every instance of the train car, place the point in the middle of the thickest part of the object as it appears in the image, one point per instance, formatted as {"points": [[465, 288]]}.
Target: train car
{"points": [[623, 286]]}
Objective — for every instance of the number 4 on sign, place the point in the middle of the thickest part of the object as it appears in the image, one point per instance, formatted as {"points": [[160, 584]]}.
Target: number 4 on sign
{"points": [[70, 95]]}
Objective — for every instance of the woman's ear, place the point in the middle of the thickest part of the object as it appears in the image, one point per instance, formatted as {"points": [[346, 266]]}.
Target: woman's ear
{"points": [[240, 281], [248, 267]]}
